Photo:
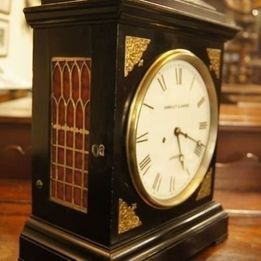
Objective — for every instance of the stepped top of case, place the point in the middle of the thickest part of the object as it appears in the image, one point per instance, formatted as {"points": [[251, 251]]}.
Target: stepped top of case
{"points": [[167, 10]]}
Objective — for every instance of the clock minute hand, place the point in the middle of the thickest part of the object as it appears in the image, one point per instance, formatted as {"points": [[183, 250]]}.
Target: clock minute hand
{"points": [[189, 137]]}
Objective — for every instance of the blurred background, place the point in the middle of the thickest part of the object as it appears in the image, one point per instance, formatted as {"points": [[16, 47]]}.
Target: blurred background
{"points": [[15, 89]]}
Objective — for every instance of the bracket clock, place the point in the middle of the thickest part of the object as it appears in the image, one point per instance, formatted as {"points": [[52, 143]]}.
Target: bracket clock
{"points": [[125, 115]]}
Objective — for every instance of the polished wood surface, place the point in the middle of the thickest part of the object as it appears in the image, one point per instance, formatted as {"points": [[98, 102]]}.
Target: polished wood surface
{"points": [[15, 206], [243, 243]]}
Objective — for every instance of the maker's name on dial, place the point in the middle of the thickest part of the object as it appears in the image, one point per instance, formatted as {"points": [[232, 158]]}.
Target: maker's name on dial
{"points": [[177, 106]]}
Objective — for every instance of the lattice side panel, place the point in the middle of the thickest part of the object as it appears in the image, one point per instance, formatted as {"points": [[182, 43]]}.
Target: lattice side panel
{"points": [[70, 121]]}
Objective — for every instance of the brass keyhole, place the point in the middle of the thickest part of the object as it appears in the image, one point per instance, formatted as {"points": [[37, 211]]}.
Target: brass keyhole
{"points": [[98, 150]]}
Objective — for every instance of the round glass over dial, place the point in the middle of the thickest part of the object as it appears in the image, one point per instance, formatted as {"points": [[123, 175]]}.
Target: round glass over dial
{"points": [[172, 129]]}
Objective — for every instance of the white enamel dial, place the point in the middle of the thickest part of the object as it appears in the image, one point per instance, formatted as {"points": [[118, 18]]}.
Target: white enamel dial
{"points": [[172, 129]]}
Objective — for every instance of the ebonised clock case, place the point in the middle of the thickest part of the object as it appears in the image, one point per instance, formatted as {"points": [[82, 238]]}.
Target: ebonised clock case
{"points": [[98, 30]]}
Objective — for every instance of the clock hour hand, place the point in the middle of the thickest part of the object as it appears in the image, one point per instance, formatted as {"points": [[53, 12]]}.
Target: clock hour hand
{"points": [[181, 156], [174, 157]]}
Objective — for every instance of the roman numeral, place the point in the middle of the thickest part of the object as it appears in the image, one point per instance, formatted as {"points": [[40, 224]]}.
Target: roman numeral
{"points": [[162, 83], [142, 138], [172, 184], [201, 101], [157, 182], [203, 125], [178, 74], [145, 164], [198, 149]]}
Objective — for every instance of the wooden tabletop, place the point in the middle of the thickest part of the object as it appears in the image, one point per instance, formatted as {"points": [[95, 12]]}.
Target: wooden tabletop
{"points": [[15, 206], [243, 243]]}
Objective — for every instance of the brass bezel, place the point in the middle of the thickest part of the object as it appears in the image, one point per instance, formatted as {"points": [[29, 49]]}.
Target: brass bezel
{"points": [[133, 117]]}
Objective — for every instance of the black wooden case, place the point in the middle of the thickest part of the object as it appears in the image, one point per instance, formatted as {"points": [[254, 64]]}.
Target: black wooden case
{"points": [[121, 39]]}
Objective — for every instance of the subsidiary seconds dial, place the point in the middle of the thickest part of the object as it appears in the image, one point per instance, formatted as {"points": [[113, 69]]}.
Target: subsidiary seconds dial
{"points": [[172, 129]]}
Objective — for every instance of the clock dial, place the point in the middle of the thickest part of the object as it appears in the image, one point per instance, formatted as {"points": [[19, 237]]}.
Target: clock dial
{"points": [[172, 129]]}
